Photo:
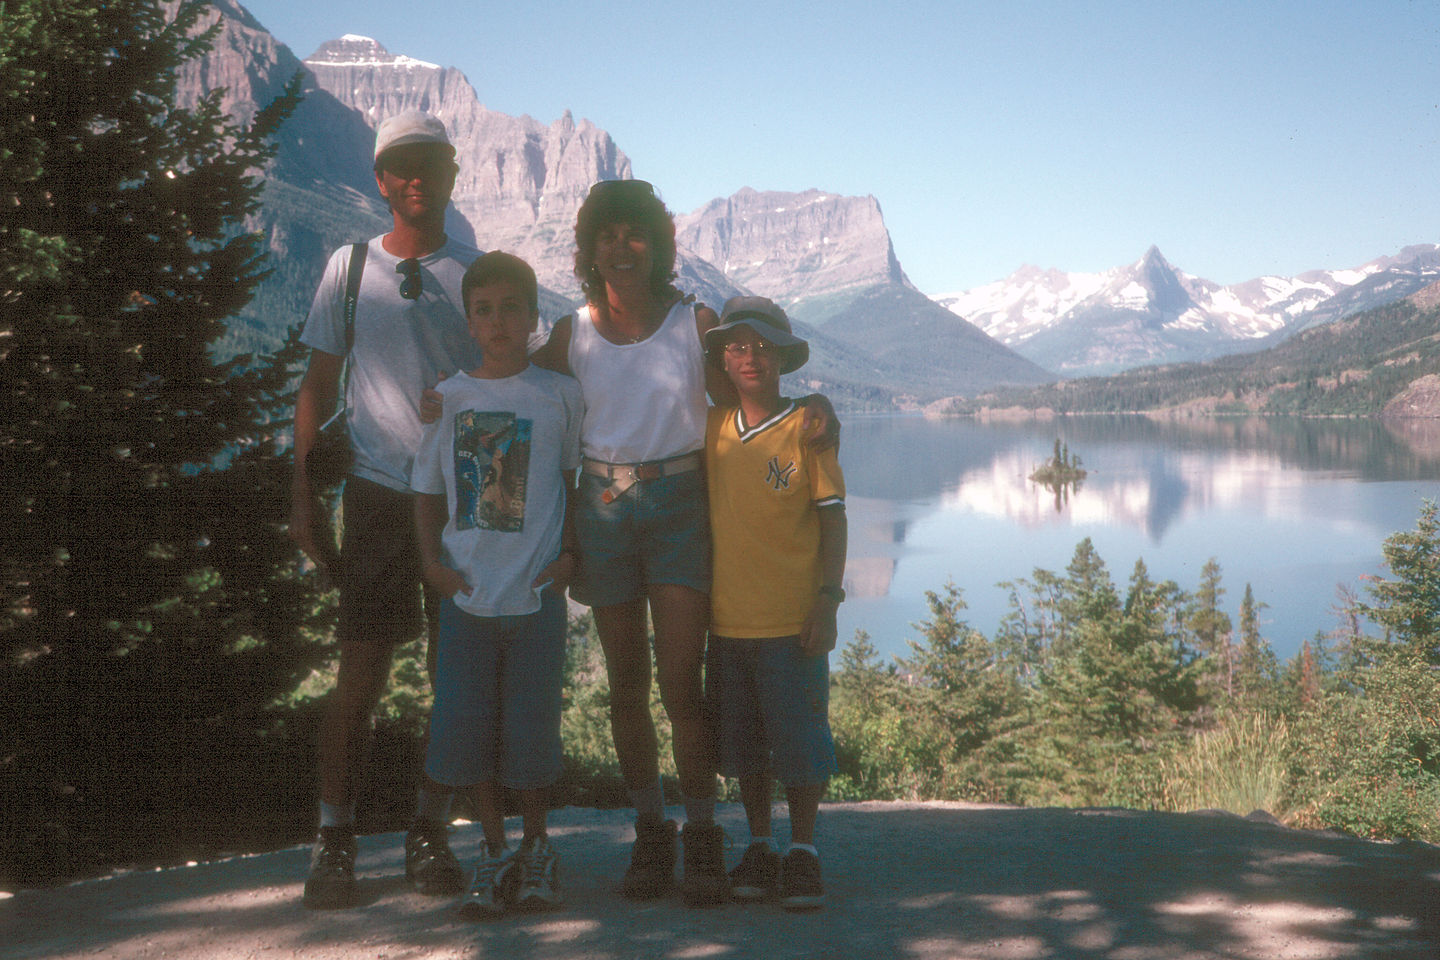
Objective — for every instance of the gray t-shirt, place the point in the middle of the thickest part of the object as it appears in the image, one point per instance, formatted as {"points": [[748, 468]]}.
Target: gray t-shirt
{"points": [[497, 453], [401, 348]]}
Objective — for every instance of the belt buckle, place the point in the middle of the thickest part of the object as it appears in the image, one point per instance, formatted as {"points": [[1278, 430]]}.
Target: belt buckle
{"points": [[622, 480]]}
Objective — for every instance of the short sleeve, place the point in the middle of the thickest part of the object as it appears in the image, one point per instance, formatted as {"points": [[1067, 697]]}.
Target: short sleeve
{"points": [[325, 324], [827, 483]]}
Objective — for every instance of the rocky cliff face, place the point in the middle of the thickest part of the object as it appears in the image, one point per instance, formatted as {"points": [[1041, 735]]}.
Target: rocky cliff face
{"points": [[803, 250], [827, 258]]}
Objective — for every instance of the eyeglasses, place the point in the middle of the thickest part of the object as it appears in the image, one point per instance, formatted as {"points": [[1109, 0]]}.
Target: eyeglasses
{"points": [[760, 348], [410, 287]]}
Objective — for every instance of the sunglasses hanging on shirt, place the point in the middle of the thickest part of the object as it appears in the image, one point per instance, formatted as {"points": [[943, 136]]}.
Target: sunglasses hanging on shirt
{"points": [[409, 271]]}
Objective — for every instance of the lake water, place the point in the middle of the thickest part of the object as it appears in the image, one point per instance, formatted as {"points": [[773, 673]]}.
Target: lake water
{"points": [[1293, 507]]}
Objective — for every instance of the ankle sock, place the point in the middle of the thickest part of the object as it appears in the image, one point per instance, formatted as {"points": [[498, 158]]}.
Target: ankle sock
{"points": [[807, 847]]}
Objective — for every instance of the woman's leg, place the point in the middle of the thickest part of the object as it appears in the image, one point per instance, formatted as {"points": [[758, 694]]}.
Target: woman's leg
{"points": [[681, 618], [627, 663]]}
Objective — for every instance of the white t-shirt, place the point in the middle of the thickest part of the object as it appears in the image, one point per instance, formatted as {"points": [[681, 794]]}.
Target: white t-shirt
{"points": [[497, 453], [401, 348]]}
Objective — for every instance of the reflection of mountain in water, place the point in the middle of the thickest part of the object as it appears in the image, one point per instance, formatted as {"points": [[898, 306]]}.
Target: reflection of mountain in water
{"points": [[1149, 492], [877, 537], [912, 458]]}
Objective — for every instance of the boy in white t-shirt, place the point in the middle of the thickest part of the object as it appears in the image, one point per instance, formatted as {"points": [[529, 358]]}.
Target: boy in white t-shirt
{"points": [[493, 477]]}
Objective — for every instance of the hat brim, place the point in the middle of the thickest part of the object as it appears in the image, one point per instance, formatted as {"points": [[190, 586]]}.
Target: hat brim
{"points": [[794, 352]]}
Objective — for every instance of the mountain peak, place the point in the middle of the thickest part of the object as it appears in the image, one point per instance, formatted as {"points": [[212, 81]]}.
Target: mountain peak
{"points": [[353, 50]]}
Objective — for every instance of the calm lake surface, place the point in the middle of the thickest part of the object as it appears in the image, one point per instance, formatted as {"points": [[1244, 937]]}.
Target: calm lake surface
{"points": [[1295, 508]]}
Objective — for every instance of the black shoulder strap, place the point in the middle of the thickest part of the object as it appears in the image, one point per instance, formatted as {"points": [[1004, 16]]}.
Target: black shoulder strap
{"points": [[352, 290], [352, 297]]}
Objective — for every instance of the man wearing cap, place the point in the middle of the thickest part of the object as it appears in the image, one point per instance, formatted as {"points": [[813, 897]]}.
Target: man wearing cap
{"points": [[404, 331]]}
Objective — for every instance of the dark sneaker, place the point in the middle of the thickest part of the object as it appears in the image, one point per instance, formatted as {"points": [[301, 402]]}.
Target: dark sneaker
{"points": [[331, 883], [539, 868], [703, 882], [429, 864], [758, 875], [492, 888], [800, 886], [651, 872]]}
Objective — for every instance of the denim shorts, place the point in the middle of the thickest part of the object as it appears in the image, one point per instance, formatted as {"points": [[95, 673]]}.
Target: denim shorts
{"points": [[658, 531], [772, 703], [497, 698], [379, 575]]}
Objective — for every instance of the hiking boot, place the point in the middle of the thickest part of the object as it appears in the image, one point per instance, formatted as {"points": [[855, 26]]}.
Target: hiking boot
{"points": [[651, 872], [758, 875], [703, 882], [331, 883], [539, 883], [800, 886], [429, 864], [492, 888]]}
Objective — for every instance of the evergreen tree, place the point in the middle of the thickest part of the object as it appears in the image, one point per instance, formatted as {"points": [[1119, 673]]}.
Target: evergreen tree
{"points": [[148, 596], [1212, 627], [1407, 604], [1256, 670], [975, 691]]}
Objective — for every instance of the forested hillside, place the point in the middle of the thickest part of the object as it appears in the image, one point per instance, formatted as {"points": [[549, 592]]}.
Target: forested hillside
{"points": [[1350, 367]]}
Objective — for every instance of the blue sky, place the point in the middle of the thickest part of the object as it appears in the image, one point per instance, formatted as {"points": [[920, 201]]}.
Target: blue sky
{"points": [[1241, 138]]}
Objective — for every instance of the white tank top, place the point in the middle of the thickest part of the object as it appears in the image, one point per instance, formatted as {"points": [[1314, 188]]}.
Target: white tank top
{"points": [[643, 401]]}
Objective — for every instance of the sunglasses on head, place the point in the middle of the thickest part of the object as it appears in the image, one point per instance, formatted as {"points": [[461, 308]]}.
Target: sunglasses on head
{"points": [[409, 271]]}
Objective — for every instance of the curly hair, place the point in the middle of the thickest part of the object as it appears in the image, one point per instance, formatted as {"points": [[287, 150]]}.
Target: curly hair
{"points": [[631, 202]]}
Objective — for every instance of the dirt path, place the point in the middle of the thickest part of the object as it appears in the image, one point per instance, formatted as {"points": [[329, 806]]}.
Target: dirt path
{"points": [[904, 880]]}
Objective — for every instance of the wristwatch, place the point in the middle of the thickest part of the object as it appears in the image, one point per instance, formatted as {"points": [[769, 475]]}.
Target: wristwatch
{"points": [[828, 591]]}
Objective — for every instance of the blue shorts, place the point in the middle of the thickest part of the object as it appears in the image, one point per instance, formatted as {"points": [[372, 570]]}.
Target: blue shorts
{"points": [[497, 698], [773, 707], [658, 531]]}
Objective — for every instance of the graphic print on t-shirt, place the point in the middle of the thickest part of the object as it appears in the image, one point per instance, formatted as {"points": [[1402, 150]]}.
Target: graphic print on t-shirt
{"points": [[492, 465]]}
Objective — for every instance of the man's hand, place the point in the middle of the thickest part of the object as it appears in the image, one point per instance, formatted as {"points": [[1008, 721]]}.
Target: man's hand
{"points": [[302, 527], [819, 425]]}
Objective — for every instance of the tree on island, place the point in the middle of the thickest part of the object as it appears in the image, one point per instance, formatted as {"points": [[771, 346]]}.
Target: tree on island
{"points": [[1061, 474], [151, 607]]}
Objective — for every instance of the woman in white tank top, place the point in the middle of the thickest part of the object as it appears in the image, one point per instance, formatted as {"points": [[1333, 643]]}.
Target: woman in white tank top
{"points": [[637, 350]]}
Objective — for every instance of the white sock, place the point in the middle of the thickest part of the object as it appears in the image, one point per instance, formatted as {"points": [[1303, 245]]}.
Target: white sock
{"points": [[807, 847]]}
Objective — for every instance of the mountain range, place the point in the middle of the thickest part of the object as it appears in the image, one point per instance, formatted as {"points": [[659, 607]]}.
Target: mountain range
{"points": [[876, 340], [1149, 312]]}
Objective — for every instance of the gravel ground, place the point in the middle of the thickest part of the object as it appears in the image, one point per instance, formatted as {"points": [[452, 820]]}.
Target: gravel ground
{"points": [[953, 881]]}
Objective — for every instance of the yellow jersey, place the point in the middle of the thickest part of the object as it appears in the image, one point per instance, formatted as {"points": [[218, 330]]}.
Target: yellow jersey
{"points": [[766, 490]]}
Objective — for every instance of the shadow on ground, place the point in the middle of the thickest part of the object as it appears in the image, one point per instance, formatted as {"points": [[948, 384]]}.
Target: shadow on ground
{"points": [[904, 880]]}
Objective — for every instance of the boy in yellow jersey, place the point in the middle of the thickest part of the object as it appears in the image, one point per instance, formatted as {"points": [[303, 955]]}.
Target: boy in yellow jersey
{"points": [[777, 521]]}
